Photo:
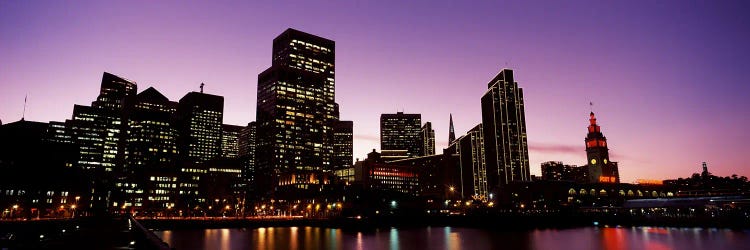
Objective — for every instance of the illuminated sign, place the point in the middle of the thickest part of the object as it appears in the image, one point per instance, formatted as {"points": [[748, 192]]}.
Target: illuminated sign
{"points": [[608, 179], [649, 182]]}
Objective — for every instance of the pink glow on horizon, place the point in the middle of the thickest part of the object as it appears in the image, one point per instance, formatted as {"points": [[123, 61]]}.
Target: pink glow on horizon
{"points": [[668, 82]]}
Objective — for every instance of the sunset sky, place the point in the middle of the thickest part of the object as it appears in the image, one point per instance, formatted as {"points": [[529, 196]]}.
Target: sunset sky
{"points": [[668, 79]]}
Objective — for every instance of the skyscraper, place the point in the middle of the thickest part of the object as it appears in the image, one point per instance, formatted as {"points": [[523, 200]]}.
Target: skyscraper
{"points": [[600, 168], [247, 143], [199, 120], [343, 143], [150, 139], [230, 138], [428, 139], [451, 131], [504, 128], [296, 108], [401, 131], [473, 168]]}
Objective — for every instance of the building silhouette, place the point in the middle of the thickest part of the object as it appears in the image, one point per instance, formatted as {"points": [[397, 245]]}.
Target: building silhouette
{"points": [[199, 120], [600, 167], [451, 131], [401, 132], [295, 110], [504, 128], [428, 139], [230, 141], [472, 163], [343, 144], [557, 171]]}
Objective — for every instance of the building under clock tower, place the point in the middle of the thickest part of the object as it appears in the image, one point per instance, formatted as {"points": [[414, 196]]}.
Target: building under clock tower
{"points": [[600, 168]]}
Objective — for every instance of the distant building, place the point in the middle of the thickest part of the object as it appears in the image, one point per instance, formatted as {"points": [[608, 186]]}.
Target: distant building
{"points": [[343, 144], [428, 139], [451, 131], [504, 128], [247, 155], [401, 131], [199, 120], [557, 171], [230, 139], [600, 168]]}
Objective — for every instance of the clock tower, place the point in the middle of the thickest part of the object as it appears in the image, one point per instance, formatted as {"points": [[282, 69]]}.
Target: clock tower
{"points": [[600, 168]]}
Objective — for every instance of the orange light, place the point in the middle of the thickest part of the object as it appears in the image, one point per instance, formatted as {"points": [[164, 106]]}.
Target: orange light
{"points": [[650, 182], [607, 179]]}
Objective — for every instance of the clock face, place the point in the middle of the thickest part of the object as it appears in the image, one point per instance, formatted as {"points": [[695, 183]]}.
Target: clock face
{"points": [[605, 161], [593, 161]]}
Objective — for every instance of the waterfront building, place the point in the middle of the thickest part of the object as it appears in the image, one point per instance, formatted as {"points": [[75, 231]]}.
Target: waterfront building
{"points": [[401, 131], [557, 171], [199, 123], [428, 139], [600, 167], [472, 165], [373, 173], [295, 109], [504, 129]]}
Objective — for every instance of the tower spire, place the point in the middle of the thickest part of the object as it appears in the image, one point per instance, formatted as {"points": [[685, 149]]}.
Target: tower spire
{"points": [[23, 115], [451, 131], [202, 87]]}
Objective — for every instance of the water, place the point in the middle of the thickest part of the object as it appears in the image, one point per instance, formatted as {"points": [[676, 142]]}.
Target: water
{"points": [[298, 238]]}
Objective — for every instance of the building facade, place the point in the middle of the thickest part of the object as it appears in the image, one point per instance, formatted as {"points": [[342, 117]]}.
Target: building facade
{"points": [[504, 128], [295, 108], [343, 144], [199, 120], [600, 168], [428, 139], [401, 131]]}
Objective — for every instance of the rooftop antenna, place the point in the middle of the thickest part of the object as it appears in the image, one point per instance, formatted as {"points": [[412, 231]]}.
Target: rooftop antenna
{"points": [[23, 116], [202, 87], [591, 107]]}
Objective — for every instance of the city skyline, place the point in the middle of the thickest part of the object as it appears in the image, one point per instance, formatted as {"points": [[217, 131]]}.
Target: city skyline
{"points": [[556, 117]]}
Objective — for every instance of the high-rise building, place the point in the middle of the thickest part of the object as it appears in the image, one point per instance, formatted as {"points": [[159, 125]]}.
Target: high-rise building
{"points": [[600, 168], [230, 138], [247, 156], [296, 108], [343, 144], [473, 168], [451, 131], [428, 139], [401, 131], [199, 122], [150, 138], [504, 125]]}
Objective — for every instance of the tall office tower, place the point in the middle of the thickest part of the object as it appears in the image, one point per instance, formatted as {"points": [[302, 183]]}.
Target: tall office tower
{"points": [[504, 127], [97, 129], [247, 155], [600, 168], [230, 139], [473, 167], [343, 144], [451, 131], [296, 108], [150, 139], [401, 131], [428, 139], [198, 119]]}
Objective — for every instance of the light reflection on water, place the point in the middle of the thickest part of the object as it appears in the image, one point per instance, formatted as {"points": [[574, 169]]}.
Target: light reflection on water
{"points": [[605, 238]]}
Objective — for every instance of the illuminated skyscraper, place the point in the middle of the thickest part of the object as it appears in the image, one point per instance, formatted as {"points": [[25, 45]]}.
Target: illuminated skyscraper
{"points": [[230, 138], [401, 131], [199, 122], [428, 139], [296, 108], [343, 143], [600, 168], [504, 125], [473, 168], [150, 138]]}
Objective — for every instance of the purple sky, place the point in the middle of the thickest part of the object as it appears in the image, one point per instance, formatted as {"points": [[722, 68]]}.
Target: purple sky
{"points": [[666, 78]]}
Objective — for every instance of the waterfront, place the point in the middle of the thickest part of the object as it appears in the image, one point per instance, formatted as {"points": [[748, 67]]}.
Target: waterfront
{"points": [[606, 238]]}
